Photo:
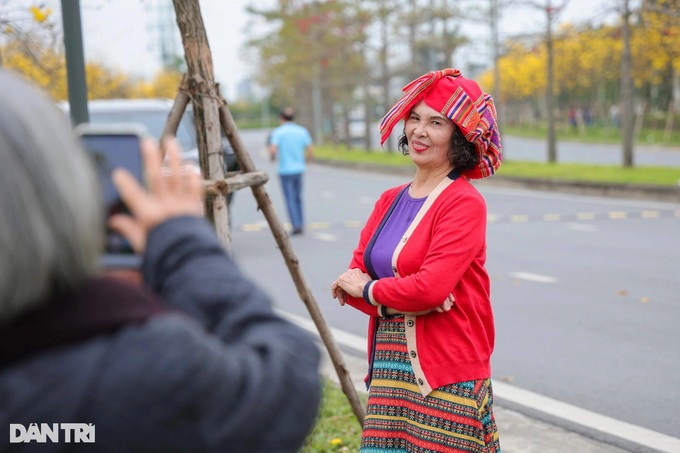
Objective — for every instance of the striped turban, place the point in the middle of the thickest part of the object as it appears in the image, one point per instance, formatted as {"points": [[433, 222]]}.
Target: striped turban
{"points": [[461, 100]]}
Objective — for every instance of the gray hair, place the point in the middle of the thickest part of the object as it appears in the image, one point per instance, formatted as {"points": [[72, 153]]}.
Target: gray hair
{"points": [[51, 214]]}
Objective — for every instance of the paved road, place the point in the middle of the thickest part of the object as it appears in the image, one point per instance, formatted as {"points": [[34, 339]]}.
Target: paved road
{"points": [[517, 148], [584, 289]]}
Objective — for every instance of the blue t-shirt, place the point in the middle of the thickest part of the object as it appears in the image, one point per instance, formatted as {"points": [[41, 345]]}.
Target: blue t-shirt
{"points": [[291, 140]]}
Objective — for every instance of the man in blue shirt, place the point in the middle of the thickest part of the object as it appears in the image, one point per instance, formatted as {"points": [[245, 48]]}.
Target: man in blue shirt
{"points": [[293, 146]]}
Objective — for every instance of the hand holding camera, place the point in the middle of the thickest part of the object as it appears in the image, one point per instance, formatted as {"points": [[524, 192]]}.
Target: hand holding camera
{"points": [[172, 193]]}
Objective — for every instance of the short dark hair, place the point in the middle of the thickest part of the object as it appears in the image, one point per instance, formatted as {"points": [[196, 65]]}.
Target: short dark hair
{"points": [[287, 114], [462, 153]]}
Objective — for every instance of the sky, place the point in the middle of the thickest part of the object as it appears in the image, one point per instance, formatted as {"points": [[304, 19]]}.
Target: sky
{"points": [[125, 33]]}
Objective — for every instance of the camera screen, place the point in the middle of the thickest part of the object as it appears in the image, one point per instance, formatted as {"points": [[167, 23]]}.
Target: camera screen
{"points": [[109, 152]]}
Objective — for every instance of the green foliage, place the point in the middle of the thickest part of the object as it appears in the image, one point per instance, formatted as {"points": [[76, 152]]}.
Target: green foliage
{"points": [[337, 429]]}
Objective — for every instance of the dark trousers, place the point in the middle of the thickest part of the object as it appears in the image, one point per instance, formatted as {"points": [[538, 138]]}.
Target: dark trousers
{"points": [[292, 192]]}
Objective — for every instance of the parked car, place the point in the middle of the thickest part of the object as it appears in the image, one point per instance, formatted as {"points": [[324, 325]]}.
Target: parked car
{"points": [[152, 114]]}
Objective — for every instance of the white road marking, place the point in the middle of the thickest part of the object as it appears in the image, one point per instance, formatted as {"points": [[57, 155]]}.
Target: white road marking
{"points": [[325, 237], [537, 278], [531, 400]]}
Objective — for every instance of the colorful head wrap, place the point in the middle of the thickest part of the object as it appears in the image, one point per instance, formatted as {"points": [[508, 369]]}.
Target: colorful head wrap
{"points": [[460, 99]]}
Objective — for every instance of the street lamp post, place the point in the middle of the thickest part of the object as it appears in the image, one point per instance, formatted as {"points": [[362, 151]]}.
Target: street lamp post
{"points": [[75, 62]]}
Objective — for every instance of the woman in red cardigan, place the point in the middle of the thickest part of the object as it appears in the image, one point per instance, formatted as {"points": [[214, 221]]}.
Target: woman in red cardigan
{"points": [[419, 273]]}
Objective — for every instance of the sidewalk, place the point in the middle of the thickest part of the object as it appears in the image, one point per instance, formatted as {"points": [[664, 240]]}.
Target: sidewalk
{"points": [[518, 433]]}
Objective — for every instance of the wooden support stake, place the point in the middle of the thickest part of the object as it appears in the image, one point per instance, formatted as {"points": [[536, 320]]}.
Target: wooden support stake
{"points": [[211, 112], [206, 101], [177, 110], [235, 182], [293, 264]]}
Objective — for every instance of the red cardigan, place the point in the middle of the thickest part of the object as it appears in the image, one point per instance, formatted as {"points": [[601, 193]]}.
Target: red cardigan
{"points": [[444, 254]]}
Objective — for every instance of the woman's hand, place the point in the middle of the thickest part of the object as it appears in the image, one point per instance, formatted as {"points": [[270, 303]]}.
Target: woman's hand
{"points": [[172, 193], [338, 293], [351, 282], [447, 305]]}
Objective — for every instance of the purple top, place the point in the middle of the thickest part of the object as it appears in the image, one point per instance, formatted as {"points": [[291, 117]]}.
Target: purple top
{"points": [[396, 225]]}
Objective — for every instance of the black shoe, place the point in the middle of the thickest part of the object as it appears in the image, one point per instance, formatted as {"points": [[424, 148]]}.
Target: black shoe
{"points": [[296, 231]]}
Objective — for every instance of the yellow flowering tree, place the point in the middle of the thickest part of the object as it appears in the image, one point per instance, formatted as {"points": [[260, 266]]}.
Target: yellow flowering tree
{"points": [[657, 45]]}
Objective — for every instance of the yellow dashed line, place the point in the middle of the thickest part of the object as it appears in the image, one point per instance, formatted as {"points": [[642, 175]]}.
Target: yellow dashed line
{"points": [[319, 225], [495, 218], [250, 227]]}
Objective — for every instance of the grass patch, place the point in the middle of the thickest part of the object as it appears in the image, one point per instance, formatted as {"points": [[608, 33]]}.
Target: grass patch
{"points": [[663, 176], [336, 429]]}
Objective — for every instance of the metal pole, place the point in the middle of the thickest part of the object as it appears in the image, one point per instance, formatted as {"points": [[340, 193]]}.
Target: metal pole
{"points": [[75, 61]]}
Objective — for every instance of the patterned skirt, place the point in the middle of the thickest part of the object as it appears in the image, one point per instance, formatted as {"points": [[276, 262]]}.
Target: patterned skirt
{"points": [[454, 418]]}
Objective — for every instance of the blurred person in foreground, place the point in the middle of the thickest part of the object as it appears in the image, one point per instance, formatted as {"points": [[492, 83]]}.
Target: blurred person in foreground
{"points": [[292, 145], [419, 273], [193, 360]]}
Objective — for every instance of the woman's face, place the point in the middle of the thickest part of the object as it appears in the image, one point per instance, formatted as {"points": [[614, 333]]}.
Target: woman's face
{"points": [[429, 136]]}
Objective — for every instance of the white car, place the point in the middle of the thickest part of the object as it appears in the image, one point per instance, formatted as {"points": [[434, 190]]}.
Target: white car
{"points": [[152, 114]]}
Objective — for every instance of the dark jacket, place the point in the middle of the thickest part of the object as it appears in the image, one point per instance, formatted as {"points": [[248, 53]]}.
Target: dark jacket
{"points": [[218, 372]]}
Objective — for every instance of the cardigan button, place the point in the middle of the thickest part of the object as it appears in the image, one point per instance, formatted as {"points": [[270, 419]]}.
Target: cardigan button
{"points": [[420, 381], [394, 268], [413, 354], [410, 323]]}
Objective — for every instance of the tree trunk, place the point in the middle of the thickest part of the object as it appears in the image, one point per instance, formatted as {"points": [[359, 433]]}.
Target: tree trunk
{"points": [[627, 108], [549, 97], [385, 71], [673, 105], [496, 70], [206, 101]]}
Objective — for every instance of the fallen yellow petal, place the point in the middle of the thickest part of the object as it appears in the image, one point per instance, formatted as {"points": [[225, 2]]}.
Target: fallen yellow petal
{"points": [[336, 441]]}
